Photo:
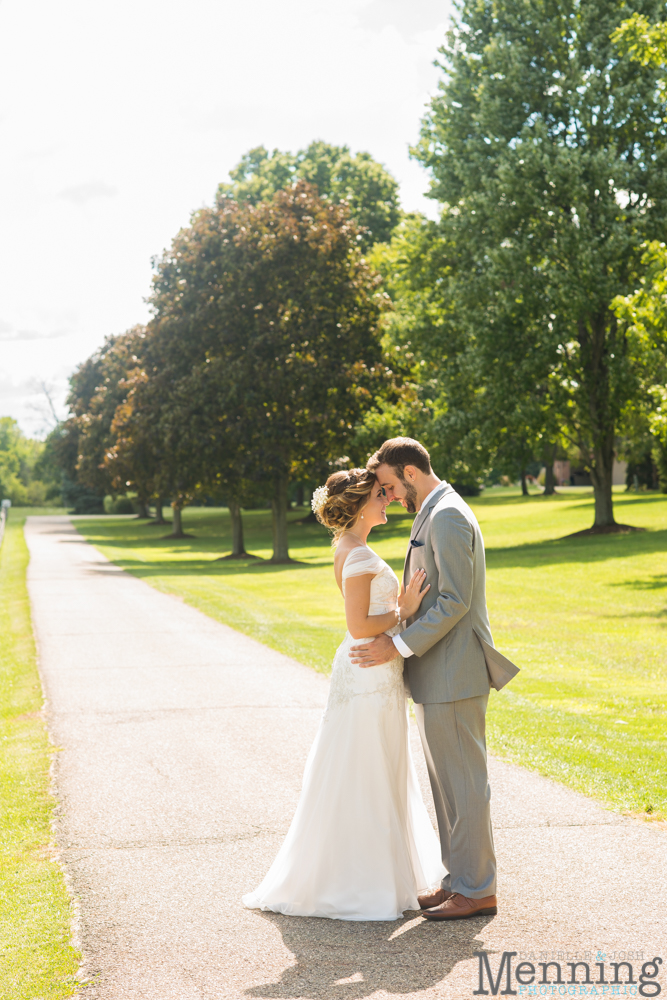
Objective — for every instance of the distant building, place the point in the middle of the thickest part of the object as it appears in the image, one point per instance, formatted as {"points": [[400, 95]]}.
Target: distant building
{"points": [[567, 476], [562, 472], [619, 473]]}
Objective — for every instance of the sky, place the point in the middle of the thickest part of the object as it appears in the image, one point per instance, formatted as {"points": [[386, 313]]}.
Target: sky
{"points": [[118, 120]]}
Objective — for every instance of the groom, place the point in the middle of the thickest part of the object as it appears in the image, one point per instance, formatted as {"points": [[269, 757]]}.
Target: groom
{"points": [[446, 669]]}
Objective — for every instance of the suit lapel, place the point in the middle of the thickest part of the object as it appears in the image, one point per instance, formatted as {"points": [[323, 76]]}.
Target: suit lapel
{"points": [[418, 523]]}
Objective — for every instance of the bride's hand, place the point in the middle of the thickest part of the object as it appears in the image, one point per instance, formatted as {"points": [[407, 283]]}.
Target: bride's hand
{"points": [[411, 598]]}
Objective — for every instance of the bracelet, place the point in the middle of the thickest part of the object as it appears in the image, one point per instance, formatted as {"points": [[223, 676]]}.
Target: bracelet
{"points": [[398, 616]]}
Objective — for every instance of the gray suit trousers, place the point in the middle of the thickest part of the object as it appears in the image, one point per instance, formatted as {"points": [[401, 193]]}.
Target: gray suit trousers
{"points": [[453, 737]]}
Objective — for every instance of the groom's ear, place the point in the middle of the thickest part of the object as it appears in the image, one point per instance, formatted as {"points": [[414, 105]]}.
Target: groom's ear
{"points": [[409, 473]]}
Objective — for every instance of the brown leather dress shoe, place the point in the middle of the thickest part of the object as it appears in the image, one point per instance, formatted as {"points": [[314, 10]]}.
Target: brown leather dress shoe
{"points": [[458, 907], [433, 897]]}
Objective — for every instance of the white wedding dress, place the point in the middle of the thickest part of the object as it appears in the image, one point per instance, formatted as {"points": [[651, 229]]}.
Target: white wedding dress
{"points": [[361, 844]]}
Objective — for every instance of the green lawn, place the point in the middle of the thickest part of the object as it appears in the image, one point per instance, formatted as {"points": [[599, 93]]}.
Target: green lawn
{"points": [[584, 618], [38, 959]]}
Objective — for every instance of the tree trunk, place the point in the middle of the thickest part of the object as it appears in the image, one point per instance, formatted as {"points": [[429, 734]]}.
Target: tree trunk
{"points": [[604, 505], [143, 508], [159, 516], [524, 484], [177, 524], [238, 548], [299, 495], [601, 475], [549, 478], [549, 481], [595, 348], [279, 510]]}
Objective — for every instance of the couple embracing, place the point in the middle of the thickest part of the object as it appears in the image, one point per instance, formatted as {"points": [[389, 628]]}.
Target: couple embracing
{"points": [[361, 845]]}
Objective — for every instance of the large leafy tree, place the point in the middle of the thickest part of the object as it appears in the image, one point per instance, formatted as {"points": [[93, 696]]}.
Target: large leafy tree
{"points": [[473, 412], [643, 315], [136, 454], [172, 424], [368, 189], [548, 151], [98, 388], [278, 301], [211, 414]]}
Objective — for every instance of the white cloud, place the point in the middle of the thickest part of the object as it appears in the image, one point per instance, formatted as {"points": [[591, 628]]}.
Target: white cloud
{"points": [[410, 19], [10, 390], [7, 333], [79, 194]]}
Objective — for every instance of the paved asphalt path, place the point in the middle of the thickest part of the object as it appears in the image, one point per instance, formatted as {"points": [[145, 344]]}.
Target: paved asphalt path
{"points": [[181, 749]]}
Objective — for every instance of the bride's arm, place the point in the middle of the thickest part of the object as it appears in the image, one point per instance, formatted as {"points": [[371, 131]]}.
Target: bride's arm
{"points": [[360, 624]]}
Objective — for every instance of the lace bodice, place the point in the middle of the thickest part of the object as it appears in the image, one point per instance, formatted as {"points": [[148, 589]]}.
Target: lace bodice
{"points": [[386, 680]]}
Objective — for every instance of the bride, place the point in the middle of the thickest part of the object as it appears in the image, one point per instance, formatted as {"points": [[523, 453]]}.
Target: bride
{"points": [[361, 845]]}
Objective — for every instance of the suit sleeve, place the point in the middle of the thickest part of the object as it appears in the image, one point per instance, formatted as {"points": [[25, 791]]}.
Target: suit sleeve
{"points": [[451, 539]]}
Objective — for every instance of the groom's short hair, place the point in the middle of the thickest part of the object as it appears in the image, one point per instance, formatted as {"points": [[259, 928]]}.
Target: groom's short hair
{"points": [[399, 452]]}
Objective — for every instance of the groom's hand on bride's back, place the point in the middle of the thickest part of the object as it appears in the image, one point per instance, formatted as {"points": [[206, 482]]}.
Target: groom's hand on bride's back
{"points": [[380, 650]]}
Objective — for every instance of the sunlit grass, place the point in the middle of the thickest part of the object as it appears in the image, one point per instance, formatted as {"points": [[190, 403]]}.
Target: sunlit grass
{"points": [[38, 959], [583, 617]]}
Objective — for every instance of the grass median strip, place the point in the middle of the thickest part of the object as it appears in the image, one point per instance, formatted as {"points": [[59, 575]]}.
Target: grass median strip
{"points": [[583, 617], [38, 959]]}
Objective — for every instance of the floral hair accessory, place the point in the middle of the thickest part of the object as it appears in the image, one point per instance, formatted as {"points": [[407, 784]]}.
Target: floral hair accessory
{"points": [[320, 497]]}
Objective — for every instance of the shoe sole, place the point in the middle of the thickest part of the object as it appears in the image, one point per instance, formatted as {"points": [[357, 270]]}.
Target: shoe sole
{"points": [[489, 911]]}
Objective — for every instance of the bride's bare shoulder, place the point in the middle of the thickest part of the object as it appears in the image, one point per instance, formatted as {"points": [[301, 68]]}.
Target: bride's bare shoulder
{"points": [[345, 546], [343, 549]]}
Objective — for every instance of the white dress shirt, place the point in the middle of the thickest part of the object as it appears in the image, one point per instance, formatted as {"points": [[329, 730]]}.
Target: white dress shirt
{"points": [[400, 644]]}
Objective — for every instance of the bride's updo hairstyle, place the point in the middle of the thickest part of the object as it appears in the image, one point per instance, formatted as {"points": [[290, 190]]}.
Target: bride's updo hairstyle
{"points": [[347, 493]]}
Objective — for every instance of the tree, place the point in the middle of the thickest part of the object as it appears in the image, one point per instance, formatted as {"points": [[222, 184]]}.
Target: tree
{"points": [[548, 151], [47, 469], [98, 388], [278, 299], [21, 479], [643, 315], [644, 42], [221, 442], [475, 413], [156, 440], [369, 190]]}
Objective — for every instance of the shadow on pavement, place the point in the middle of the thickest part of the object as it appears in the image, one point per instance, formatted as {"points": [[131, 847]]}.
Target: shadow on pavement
{"points": [[340, 958]]}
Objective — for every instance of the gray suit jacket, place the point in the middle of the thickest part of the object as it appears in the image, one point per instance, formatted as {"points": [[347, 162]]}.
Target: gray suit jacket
{"points": [[450, 636]]}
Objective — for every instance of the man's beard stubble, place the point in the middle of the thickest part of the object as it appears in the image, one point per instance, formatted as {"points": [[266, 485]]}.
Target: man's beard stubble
{"points": [[410, 496]]}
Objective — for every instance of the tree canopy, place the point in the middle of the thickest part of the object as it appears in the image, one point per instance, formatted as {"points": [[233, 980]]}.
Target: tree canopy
{"points": [[25, 476], [361, 182], [97, 388], [272, 312], [547, 148], [525, 319]]}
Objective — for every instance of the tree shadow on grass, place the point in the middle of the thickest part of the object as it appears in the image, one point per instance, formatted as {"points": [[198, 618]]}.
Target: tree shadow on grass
{"points": [[562, 551], [588, 549], [213, 567], [656, 582], [514, 500], [341, 958], [214, 540], [634, 498], [558, 552], [662, 613]]}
